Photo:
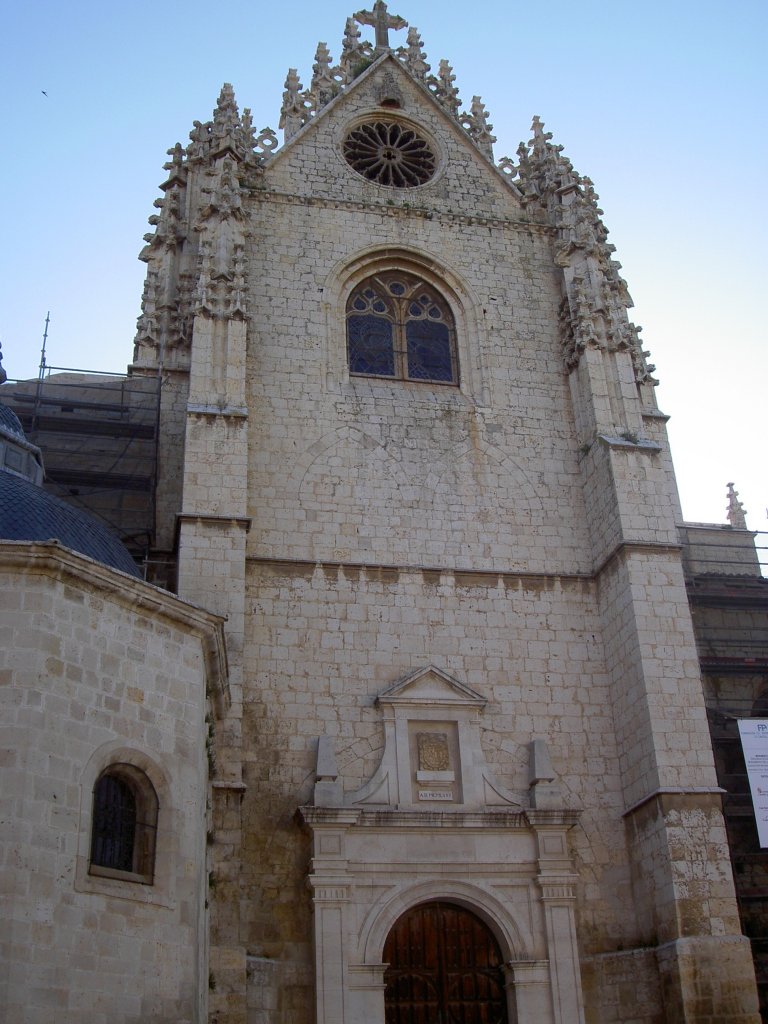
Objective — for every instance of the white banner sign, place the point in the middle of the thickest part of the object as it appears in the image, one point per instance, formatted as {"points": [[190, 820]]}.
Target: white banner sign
{"points": [[754, 743]]}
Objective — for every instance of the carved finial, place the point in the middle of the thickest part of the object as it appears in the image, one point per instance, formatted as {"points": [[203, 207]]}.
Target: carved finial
{"points": [[249, 131], [225, 116], [323, 87], [543, 169], [177, 158], [480, 129], [590, 195], [199, 138], [293, 113], [352, 51], [447, 93], [177, 171], [414, 57], [537, 127], [382, 22], [226, 130], [736, 513]]}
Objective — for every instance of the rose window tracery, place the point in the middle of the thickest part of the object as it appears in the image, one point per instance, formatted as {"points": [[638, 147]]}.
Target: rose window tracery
{"points": [[390, 154]]}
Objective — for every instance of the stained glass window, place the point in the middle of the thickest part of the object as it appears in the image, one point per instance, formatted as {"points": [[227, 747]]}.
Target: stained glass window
{"points": [[398, 326]]}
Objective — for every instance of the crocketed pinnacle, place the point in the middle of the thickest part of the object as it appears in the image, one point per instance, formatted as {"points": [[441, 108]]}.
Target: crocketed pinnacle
{"points": [[300, 105], [736, 511]]}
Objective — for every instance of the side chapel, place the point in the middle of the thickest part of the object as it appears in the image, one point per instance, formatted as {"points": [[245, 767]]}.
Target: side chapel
{"points": [[412, 462]]}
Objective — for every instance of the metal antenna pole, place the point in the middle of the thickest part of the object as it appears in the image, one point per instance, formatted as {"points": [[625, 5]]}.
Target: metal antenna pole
{"points": [[41, 372], [40, 376]]}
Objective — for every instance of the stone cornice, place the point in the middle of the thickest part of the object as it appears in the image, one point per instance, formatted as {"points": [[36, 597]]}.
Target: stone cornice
{"points": [[405, 210], [464, 576], [52, 559], [674, 791], [244, 522], [625, 547], [346, 817]]}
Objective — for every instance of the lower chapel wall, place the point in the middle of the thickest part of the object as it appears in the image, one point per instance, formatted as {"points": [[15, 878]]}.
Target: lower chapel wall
{"points": [[92, 674]]}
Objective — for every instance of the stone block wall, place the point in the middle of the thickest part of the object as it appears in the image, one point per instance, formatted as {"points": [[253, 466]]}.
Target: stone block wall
{"points": [[99, 669], [324, 640], [517, 531]]}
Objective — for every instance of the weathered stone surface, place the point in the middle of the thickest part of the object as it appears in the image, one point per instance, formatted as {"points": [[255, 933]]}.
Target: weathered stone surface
{"points": [[472, 594]]}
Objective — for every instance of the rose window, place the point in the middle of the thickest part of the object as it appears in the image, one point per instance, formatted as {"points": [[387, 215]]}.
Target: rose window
{"points": [[389, 154]]}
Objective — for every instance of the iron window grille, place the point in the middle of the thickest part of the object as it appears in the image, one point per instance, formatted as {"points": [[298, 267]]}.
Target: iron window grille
{"points": [[124, 824]]}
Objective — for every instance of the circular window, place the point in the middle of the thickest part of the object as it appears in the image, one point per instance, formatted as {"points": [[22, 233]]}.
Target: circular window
{"points": [[389, 154]]}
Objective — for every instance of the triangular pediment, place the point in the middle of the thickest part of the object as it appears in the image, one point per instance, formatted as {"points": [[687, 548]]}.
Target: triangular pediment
{"points": [[459, 155], [433, 687]]}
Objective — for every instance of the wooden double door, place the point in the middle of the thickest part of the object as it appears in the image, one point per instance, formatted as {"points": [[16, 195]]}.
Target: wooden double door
{"points": [[445, 967]]}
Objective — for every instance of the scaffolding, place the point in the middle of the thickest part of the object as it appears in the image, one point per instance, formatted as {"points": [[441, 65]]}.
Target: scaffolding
{"points": [[98, 433]]}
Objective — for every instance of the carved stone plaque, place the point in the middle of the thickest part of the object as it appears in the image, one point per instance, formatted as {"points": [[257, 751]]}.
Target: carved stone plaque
{"points": [[434, 755], [435, 794]]}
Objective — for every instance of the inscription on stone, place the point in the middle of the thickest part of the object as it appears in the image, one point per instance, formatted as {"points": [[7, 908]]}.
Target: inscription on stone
{"points": [[435, 794]]}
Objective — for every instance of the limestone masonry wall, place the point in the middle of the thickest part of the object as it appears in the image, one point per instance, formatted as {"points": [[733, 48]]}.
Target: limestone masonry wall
{"points": [[90, 681]]}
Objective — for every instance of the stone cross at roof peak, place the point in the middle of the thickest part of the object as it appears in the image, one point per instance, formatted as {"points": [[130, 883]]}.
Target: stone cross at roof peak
{"points": [[382, 21]]}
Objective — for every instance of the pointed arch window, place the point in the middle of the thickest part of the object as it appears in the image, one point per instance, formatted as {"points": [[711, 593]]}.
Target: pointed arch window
{"points": [[400, 327], [124, 824]]}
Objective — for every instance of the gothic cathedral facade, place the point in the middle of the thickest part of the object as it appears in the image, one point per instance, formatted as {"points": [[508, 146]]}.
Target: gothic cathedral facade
{"points": [[410, 452]]}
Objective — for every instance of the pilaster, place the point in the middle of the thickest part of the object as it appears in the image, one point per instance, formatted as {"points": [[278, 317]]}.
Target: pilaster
{"points": [[557, 884], [530, 980]]}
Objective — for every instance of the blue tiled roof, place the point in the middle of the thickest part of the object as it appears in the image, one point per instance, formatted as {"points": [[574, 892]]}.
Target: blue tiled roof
{"points": [[29, 513], [10, 420]]}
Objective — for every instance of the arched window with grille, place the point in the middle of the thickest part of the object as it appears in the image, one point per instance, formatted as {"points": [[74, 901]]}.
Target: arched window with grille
{"points": [[401, 327], [124, 824]]}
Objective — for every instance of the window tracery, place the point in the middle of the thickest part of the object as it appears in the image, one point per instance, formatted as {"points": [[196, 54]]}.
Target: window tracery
{"points": [[390, 154], [399, 326]]}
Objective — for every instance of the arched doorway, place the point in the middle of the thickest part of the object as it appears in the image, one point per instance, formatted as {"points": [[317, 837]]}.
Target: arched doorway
{"points": [[445, 967]]}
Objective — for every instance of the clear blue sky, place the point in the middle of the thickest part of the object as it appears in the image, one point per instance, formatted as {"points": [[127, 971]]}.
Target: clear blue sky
{"points": [[661, 103]]}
